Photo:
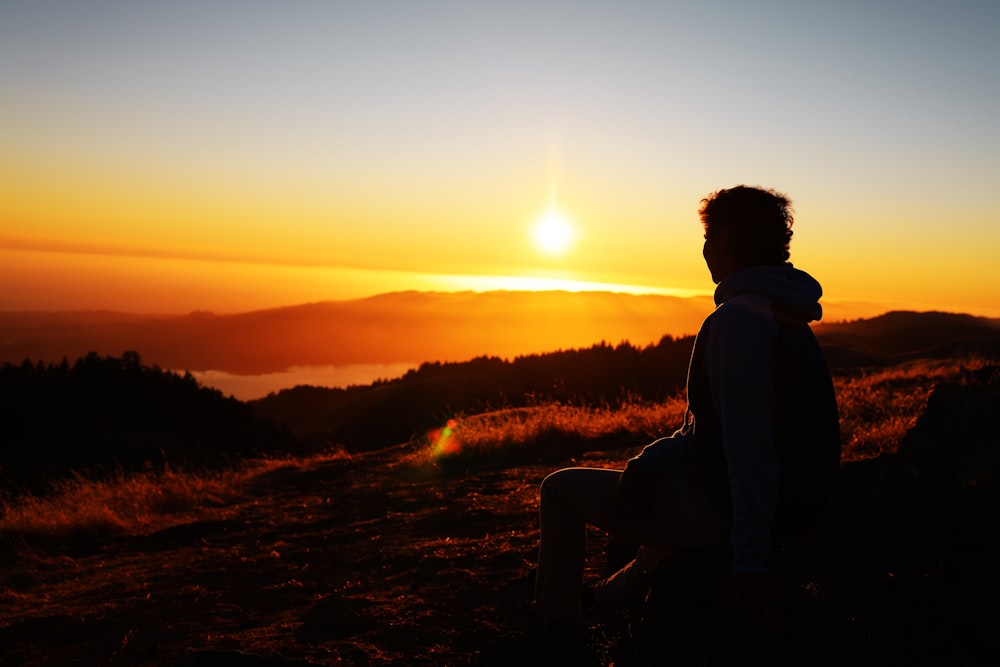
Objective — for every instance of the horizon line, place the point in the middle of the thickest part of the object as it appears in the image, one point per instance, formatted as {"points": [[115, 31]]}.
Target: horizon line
{"points": [[389, 281], [527, 280]]}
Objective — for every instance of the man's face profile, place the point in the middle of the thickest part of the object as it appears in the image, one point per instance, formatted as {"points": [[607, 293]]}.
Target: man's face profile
{"points": [[716, 256]]}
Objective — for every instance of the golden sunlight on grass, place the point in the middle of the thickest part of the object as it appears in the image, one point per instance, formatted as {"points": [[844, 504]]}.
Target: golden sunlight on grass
{"points": [[523, 429], [133, 503], [123, 504], [878, 407]]}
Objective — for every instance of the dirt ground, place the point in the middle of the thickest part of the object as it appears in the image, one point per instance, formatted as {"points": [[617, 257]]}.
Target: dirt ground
{"points": [[369, 561]]}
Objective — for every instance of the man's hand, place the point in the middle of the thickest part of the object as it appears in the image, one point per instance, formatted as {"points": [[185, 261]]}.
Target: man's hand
{"points": [[760, 596]]}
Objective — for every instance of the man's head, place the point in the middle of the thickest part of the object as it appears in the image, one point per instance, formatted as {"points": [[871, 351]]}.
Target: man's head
{"points": [[745, 227]]}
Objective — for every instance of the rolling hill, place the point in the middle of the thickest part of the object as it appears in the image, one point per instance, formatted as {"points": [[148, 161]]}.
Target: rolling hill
{"points": [[414, 327]]}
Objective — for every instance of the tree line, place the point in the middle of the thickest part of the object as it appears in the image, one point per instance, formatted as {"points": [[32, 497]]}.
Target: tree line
{"points": [[105, 413], [391, 411], [114, 412]]}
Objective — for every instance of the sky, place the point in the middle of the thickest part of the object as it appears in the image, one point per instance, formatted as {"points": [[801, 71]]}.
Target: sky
{"points": [[227, 156]]}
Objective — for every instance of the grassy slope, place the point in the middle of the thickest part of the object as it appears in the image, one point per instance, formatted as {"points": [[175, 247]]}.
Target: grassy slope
{"points": [[877, 409], [416, 555]]}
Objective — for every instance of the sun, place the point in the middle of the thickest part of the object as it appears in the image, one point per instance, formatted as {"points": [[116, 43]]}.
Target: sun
{"points": [[553, 233]]}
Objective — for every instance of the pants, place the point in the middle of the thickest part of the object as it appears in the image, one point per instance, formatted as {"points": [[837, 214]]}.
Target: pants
{"points": [[572, 498]]}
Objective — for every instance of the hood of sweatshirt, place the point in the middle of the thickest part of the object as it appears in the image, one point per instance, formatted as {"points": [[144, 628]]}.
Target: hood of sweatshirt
{"points": [[796, 289]]}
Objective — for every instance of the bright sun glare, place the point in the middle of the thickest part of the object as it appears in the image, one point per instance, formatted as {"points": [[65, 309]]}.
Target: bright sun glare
{"points": [[553, 233]]}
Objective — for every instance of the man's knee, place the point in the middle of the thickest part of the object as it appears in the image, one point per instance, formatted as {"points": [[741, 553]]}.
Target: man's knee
{"points": [[585, 491], [555, 484]]}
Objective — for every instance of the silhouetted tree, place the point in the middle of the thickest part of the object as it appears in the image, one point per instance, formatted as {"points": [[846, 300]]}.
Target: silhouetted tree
{"points": [[111, 411]]}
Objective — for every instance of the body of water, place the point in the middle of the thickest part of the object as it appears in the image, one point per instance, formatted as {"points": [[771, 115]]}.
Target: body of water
{"points": [[249, 387]]}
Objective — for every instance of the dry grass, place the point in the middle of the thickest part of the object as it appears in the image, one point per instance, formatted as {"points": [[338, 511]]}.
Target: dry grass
{"points": [[878, 407], [533, 427], [81, 509], [121, 504]]}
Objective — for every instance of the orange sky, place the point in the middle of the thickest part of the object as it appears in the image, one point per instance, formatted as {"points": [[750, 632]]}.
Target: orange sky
{"points": [[167, 160]]}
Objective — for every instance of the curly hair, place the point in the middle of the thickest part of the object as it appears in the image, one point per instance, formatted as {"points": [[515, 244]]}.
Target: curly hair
{"points": [[758, 222]]}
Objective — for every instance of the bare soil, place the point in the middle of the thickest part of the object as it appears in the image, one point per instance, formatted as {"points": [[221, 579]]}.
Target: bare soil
{"points": [[368, 561]]}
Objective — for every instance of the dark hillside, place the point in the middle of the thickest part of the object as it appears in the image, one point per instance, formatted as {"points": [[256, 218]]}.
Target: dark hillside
{"points": [[904, 335], [390, 412], [116, 412]]}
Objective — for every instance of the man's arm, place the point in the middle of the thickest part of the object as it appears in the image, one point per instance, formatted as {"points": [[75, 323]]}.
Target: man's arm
{"points": [[666, 452], [634, 494]]}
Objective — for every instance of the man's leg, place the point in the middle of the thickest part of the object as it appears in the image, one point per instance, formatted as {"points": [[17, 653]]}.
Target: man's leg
{"points": [[570, 499], [625, 586], [681, 518]]}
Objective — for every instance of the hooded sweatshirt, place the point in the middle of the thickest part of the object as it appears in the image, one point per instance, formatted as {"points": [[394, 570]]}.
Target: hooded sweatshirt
{"points": [[762, 427]]}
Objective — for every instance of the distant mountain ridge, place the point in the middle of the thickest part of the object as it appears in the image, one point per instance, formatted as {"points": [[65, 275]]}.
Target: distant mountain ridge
{"points": [[414, 327], [904, 335], [407, 327]]}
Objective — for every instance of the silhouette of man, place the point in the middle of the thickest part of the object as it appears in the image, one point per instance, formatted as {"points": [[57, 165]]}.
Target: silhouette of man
{"points": [[756, 457]]}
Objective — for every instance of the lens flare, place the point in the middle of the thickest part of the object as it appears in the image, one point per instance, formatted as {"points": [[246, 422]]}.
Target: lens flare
{"points": [[444, 440]]}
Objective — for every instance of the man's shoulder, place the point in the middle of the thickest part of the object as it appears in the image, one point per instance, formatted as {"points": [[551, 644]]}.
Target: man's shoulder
{"points": [[745, 309]]}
